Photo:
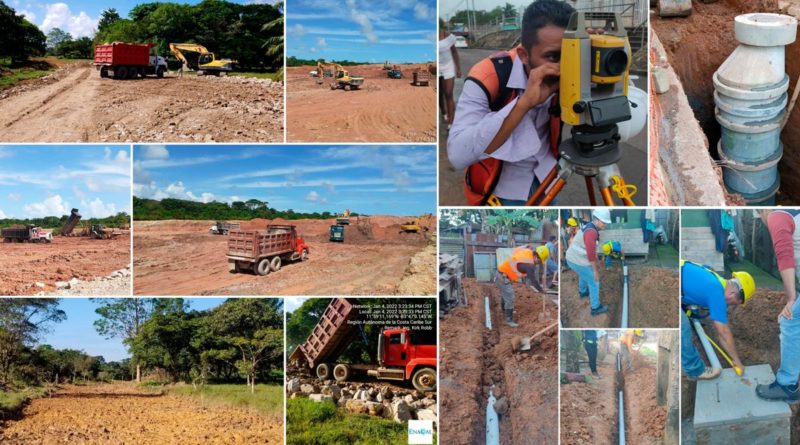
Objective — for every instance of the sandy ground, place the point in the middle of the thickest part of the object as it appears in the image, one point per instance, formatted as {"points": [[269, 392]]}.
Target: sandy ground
{"points": [[473, 360], [589, 410], [382, 110], [24, 265], [644, 419], [189, 109], [182, 258], [652, 298], [120, 413]]}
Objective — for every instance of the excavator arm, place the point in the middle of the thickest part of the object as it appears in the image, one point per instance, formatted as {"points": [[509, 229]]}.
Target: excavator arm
{"points": [[207, 61], [176, 48]]}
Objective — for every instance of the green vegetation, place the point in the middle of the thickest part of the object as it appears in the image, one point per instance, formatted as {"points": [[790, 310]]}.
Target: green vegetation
{"points": [[265, 398], [14, 400], [312, 423], [11, 77], [647, 352], [294, 61], [19, 38], [53, 222], [150, 209], [277, 77]]}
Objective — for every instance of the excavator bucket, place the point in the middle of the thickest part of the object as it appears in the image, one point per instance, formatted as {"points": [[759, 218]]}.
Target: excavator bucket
{"points": [[674, 8]]}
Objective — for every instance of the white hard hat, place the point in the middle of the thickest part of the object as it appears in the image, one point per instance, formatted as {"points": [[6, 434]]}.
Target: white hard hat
{"points": [[603, 215]]}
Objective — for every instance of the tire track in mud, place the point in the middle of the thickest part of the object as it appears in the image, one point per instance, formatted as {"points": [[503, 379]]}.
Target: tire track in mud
{"points": [[70, 82]]}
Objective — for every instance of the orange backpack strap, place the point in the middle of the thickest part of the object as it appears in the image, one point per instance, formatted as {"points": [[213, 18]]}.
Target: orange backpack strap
{"points": [[491, 75]]}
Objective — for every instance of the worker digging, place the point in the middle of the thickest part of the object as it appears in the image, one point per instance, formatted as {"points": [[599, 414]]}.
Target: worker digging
{"points": [[620, 268]]}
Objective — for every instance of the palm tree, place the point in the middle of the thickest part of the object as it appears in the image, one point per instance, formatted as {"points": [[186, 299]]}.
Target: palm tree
{"points": [[274, 44]]}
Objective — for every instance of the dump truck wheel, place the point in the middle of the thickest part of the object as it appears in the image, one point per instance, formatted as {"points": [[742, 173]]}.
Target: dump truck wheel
{"points": [[304, 255], [323, 371], [342, 372], [424, 379], [275, 264], [160, 72], [104, 72], [121, 73], [263, 267], [133, 72]]}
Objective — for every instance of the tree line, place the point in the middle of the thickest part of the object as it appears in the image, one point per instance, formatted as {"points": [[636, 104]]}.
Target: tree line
{"points": [[19, 38], [56, 222], [295, 61], [241, 339], [149, 209]]}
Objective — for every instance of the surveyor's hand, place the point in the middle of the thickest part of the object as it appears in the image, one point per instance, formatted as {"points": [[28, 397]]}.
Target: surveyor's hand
{"points": [[786, 312], [537, 90]]}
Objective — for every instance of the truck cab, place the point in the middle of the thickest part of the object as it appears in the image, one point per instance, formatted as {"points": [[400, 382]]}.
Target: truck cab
{"points": [[337, 233], [401, 356]]}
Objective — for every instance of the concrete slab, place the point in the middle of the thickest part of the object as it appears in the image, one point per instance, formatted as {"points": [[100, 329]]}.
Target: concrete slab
{"points": [[727, 410]]}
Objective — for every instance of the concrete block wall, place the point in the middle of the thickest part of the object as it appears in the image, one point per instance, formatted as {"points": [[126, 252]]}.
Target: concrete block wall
{"points": [[631, 239], [697, 245]]}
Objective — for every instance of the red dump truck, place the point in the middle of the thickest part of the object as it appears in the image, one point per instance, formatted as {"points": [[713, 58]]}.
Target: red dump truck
{"points": [[264, 251], [401, 357], [128, 60], [26, 234]]}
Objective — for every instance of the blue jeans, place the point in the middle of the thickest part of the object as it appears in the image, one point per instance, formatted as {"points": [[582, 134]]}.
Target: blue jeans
{"points": [[691, 363], [522, 202], [586, 280], [552, 267], [789, 371]]}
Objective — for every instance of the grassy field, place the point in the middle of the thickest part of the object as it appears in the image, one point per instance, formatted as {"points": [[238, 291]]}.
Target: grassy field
{"points": [[33, 69], [312, 423], [267, 398], [274, 76], [12, 400]]}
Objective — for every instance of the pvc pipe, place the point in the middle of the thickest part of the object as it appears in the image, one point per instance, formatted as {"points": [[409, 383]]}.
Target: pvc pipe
{"points": [[624, 297], [710, 353], [492, 422], [621, 418], [488, 314]]}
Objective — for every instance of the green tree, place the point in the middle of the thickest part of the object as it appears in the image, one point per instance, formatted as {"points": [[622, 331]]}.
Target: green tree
{"points": [[55, 36], [274, 44], [107, 18], [123, 318], [22, 320]]}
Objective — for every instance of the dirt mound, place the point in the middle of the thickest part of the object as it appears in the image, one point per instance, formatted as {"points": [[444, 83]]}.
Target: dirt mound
{"points": [[644, 419], [383, 110], [652, 298], [122, 413], [589, 410], [186, 109]]}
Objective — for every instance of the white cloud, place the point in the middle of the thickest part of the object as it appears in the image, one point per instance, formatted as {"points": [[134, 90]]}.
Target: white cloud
{"points": [[312, 196], [98, 209], [28, 15], [154, 152], [51, 206], [78, 193], [297, 30], [3, 215], [422, 11], [321, 42], [14, 196], [313, 49], [60, 16], [363, 21], [175, 190], [235, 198]]}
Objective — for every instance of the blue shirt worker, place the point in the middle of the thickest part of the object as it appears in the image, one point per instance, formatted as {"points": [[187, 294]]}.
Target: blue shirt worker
{"points": [[613, 251], [704, 293]]}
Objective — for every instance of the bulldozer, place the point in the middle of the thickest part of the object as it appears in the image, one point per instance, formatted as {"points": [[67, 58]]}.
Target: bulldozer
{"points": [[207, 62], [344, 220], [100, 231], [341, 77], [412, 227]]}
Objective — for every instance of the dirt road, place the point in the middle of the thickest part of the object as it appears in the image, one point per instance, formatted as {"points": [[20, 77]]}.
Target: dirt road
{"points": [[22, 266], [383, 110], [189, 109], [121, 413], [182, 258], [652, 303], [474, 359]]}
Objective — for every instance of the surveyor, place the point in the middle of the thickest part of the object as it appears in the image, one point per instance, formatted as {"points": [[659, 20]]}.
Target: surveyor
{"points": [[626, 341], [503, 129], [590, 345], [522, 265], [705, 294], [582, 258], [613, 251], [784, 230]]}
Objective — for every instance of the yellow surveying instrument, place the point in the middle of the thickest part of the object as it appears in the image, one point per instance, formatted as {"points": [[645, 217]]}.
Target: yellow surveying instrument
{"points": [[593, 100]]}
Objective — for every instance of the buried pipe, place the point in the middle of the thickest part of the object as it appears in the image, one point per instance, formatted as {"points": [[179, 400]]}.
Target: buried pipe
{"points": [[492, 422], [624, 324], [712, 356], [488, 314], [621, 418]]}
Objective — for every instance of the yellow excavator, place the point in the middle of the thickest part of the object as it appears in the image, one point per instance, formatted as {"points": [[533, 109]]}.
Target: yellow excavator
{"points": [[207, 62], [342, 78]]}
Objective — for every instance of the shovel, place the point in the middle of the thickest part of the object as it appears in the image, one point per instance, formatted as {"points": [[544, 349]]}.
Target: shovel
{"points": [[519, 344]]}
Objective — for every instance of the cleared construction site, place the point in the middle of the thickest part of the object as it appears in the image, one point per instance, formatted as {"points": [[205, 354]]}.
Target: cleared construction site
{"points": [[619, 386], [379, 109], [723, 125], [638, 273]]}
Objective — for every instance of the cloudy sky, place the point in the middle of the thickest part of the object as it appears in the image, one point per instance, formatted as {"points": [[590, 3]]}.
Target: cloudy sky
{"points": [[390, 180], [38, 181], [80, 17], [362, 30]]}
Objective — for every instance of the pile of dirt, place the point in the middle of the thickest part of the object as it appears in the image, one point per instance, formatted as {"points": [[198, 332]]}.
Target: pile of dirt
{"points": [[475, 361], [174, 109], [416, 279], [383, 110], [653, 295], [645, 420], [589, 410]]}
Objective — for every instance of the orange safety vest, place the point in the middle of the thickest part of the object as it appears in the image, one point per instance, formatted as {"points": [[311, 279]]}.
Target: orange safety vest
{"points": [[492, 74], [518, 256]]}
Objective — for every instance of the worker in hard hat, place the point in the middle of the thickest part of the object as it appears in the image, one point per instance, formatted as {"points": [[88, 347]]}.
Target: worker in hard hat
{"points": [[551, 264], [706, 294], [572, 229], [582, 258], [626, 341], [590, 345], [522, 265], [613, 251], [784, 230]]}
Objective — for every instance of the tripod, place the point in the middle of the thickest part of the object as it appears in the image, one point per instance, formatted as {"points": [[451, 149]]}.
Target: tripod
{"points": [[592, 152]]}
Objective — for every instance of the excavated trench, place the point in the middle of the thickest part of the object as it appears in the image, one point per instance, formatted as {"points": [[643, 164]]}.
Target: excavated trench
{"points": [[696, 46]]}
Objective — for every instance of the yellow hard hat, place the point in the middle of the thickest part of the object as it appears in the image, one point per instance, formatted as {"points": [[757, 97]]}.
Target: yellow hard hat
{"points": [[543, 252], [638, 332], [607, 247], [747, 285], [572, 222]]}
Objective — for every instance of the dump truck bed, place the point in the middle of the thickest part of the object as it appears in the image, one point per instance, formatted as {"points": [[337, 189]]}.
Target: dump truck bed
{"points": [[330, 336], [118, 53], [16, 233], [251, 245]]}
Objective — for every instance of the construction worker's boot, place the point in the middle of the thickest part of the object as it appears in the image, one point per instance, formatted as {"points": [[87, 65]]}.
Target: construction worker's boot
{"points": [[597, 375], [510, 318], [583, 294], [779, 393], [602, 309], [708, 374]]}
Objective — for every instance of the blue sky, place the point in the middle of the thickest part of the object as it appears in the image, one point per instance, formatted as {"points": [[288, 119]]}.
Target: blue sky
{"points": [[78, 332], [80, 17], [38, 181], [362, 30], [377, 180]]}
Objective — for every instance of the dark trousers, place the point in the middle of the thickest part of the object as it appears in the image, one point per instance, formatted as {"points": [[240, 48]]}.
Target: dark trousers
{"points": [[591, 350]]}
